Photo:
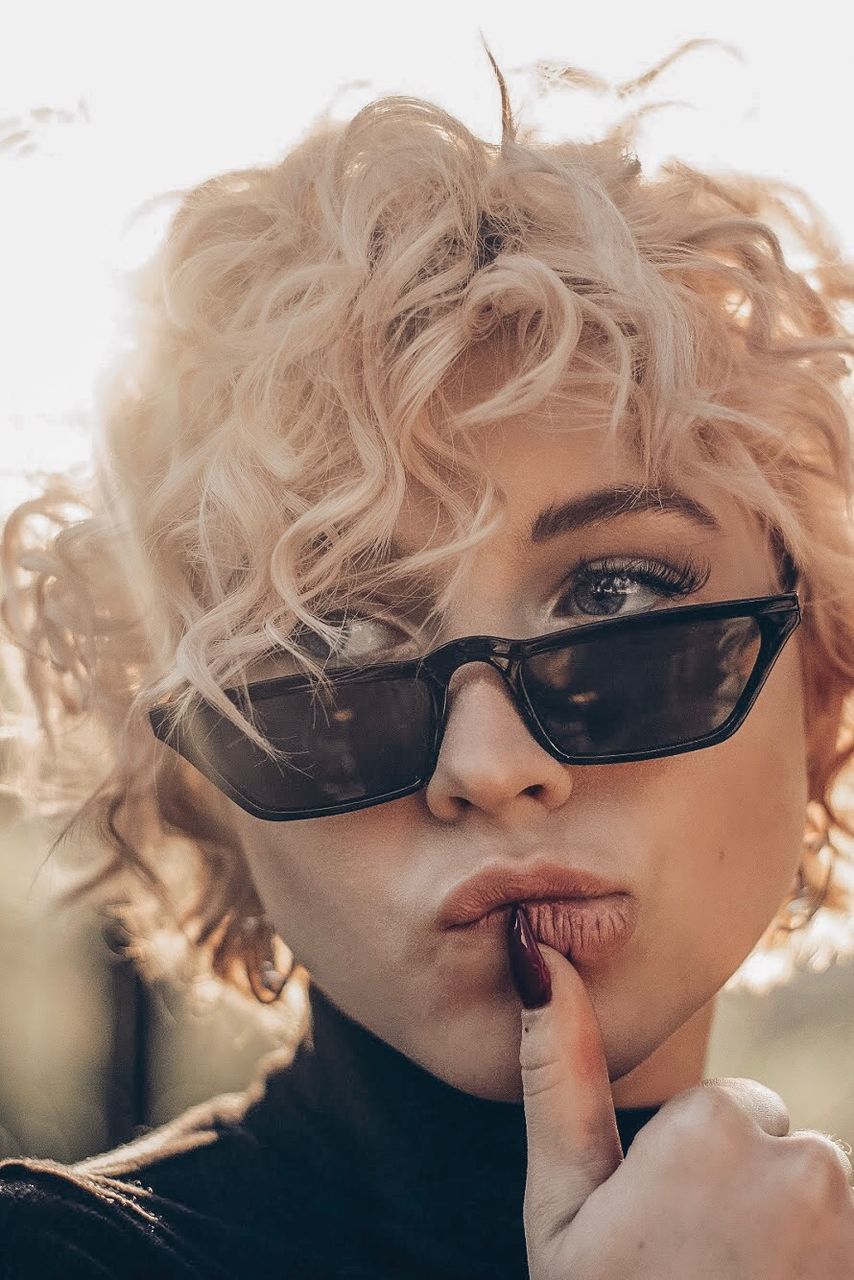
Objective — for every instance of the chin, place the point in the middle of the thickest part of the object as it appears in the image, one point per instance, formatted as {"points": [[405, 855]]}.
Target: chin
{"points": [[479, 1054], [475, 1051], [493, 1080]]}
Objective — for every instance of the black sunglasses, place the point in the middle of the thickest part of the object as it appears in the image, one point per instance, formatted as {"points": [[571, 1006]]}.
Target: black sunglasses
{"points": [[620, 689]]}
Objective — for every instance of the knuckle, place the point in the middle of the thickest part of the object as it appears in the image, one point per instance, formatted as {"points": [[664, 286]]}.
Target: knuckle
{"points": [[817, 1171], [755, 1100], [538, 1077], [693, 1133], [708, 1114]]}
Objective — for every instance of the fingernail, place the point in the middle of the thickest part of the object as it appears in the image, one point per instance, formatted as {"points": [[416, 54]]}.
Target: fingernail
{"points": [[529, 971], [272, 978]]}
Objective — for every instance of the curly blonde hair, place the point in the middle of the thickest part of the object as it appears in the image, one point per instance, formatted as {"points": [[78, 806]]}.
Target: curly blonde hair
{"points": [[293, 341]]}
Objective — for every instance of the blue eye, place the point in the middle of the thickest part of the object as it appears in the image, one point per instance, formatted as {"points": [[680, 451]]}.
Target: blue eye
{"points": [[600, 589]]}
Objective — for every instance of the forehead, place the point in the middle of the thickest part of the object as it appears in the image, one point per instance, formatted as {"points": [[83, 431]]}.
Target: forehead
{"points": [[565, 479], [534, 468], [557, 456]]}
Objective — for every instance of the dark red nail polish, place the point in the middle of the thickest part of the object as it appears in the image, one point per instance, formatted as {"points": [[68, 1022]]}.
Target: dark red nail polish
{"points": [[529, 971]]}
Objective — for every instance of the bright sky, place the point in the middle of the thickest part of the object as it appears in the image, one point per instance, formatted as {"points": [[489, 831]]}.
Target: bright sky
{"points": [[142, 98]]}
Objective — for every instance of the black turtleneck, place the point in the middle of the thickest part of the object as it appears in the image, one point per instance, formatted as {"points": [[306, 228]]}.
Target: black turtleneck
{"points": [[349, 1161]]}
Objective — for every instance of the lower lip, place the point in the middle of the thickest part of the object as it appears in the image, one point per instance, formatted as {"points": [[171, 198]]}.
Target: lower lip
{"points": [[582, 929]]}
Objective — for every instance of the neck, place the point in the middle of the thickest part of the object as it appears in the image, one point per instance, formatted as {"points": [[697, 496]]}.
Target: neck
{"points": [[678, 1063]]}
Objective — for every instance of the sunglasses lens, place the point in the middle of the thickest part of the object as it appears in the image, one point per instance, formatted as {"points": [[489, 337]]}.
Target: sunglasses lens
{"points": [[359, 741], [644, 689]]}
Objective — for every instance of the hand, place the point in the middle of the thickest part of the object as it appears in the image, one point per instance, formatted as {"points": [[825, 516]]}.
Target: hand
{"points": [[711, 1188]]}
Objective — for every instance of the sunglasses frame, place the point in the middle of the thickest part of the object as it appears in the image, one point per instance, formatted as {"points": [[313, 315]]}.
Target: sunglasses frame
{"points": [[777, 615]]}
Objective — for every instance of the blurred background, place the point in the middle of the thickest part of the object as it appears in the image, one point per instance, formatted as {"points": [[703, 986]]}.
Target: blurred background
{"points": [[104, 106]]}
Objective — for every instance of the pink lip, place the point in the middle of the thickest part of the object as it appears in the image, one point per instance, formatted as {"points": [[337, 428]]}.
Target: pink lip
{"points": [[499, 885], [583, 930]]}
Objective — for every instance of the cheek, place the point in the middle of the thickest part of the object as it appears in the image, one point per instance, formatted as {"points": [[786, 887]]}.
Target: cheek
{"points": [[324, 884], [734, 834]]}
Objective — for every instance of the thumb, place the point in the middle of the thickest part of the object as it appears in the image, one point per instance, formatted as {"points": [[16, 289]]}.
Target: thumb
{"points": [[573, 1141]]}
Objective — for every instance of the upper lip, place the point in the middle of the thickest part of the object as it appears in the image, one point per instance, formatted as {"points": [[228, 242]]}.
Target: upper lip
{"points": [[498, 886]]}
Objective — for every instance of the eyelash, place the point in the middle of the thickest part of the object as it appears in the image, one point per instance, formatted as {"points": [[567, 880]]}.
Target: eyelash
{"points": [[667, 579]]}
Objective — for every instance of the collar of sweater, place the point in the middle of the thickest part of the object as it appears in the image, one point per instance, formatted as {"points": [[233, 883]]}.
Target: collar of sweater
{"points": [[433, 1170]]}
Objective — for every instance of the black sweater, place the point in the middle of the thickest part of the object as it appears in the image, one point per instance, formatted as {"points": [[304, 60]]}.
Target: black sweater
{"points": [[349, 1161]]}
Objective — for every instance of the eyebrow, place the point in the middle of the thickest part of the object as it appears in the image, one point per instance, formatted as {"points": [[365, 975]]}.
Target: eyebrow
{"points": [[608, 504]]}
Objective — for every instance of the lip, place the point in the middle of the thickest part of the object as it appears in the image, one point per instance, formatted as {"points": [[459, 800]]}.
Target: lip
{"points": [[584, 930], [497, 887]]}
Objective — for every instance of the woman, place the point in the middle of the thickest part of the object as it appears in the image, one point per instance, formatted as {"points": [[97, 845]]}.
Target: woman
{"points": [[465, 604]]}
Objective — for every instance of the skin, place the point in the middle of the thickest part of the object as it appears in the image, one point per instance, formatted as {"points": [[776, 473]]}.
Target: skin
{"points": [[708, 841]]}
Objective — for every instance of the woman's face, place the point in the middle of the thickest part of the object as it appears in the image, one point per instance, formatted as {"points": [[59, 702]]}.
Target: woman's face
{"points": [[707, 842]]}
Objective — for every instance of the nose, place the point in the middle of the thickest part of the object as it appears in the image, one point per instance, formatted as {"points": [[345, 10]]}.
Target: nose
{"points": [[488, 759]]}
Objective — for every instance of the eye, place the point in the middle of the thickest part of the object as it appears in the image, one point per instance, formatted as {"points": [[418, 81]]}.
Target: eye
{"points": [[359, 637], [602, 588]]}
